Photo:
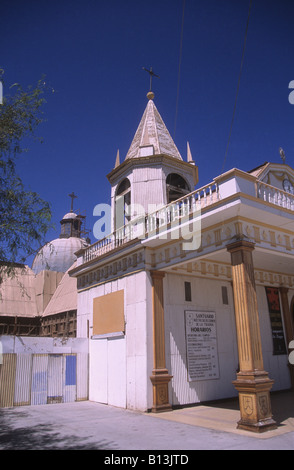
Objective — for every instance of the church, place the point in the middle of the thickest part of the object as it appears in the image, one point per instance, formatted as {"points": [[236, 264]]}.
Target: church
{"points": [[42, 300], [190, 298]]}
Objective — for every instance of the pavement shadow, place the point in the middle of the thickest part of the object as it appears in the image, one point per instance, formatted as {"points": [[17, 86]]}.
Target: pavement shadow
{"points": [[44, 437], [282, 406]]}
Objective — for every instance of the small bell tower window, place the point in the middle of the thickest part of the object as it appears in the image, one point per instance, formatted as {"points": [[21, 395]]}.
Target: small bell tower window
{"points": [[176, 187], [122, 202]]}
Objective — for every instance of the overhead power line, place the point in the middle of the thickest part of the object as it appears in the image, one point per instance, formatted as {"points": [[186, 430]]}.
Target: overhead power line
{"points": [[238, 86], [179, 69]]}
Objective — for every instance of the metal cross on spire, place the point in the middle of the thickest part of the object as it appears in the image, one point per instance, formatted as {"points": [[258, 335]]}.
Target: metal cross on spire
{"points": [[72, 196], [152, 74]]}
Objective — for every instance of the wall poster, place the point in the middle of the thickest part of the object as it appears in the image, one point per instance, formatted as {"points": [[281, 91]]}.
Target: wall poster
{"points": [[273, 300], [201, 344]]}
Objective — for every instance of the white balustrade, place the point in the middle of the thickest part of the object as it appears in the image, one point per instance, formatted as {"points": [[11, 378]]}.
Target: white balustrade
{"points": [[156, 221], [275, 196]]}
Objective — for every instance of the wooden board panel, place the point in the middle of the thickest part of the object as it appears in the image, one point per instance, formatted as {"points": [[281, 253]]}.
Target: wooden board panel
{"points": [[108, 313]]}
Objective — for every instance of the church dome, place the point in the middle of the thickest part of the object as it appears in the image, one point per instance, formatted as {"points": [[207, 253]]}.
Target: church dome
{"points": [[70, 215], [58, 255]]}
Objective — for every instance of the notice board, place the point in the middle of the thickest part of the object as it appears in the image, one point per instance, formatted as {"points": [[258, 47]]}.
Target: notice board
{"points": [[273, 300], [201, 344]]}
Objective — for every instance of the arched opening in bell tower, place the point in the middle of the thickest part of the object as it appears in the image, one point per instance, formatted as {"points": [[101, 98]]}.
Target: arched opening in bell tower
{"points": [[122, 203], [176, 187]]}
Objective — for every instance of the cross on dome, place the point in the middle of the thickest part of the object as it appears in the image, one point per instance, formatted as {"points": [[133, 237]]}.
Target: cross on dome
{"points": [[72, 196]]}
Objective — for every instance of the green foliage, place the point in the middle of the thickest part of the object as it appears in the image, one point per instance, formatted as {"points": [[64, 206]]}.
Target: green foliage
{"points": [[24, 215]]}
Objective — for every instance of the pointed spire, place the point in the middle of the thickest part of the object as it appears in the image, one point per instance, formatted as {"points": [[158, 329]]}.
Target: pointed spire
{"points": [[117, 162], [189, 155], [191, 161], [152, 136]]}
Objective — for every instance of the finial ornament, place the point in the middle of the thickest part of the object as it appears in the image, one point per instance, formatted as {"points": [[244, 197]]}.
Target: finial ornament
{"points": [[189, 154], [117, 161], [282, 153], [150, 95]]}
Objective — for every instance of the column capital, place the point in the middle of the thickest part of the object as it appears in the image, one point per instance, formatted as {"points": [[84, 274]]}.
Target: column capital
{"points": [[157, 274], [240, 242]]}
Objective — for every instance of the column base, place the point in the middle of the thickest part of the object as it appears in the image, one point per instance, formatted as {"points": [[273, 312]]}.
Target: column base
{"points": [[254, 400], [261, 426], [160, 380]]}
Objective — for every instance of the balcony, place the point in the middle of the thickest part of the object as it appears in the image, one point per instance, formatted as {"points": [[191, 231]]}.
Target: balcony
{"points": [[225, 187], [148, 225], [275, 196]]}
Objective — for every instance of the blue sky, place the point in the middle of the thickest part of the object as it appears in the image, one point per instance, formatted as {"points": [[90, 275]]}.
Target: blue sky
{"points": [[92, 53]]}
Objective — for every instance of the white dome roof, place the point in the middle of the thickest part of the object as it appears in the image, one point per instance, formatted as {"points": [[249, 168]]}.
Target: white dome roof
{"points": [[58, 255], [70, 215]]}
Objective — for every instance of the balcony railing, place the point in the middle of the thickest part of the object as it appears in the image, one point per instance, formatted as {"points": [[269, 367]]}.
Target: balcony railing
{"points": [[150, 224], [275, 196]]}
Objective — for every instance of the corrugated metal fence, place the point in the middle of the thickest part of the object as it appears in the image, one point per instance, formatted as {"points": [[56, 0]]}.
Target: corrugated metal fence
{"points": [[38, 379]]}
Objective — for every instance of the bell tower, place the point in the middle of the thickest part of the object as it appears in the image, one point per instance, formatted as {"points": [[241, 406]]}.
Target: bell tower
{"points": [[153, 173]]}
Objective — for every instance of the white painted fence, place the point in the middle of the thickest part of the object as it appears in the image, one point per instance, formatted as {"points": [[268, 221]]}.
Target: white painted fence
{"points": [[38, 371], [40, 379]]}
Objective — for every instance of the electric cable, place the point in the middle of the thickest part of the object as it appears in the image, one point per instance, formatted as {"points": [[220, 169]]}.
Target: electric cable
{"points": [[179, 69], [238, 86]]}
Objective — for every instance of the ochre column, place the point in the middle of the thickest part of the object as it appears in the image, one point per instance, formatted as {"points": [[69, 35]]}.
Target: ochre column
{"points": [[160, 376], [287, 320], [253, 383]]}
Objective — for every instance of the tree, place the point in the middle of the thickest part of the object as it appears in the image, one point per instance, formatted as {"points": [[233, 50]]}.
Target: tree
{"points": [[24, 215]]}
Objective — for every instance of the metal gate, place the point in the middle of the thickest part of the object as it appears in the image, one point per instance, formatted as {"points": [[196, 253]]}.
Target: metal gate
{"points": [[39, 379]]}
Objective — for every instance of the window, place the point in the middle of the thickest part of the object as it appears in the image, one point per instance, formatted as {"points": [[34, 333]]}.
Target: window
{"points": [[188, 293], [123, 187], [122, 202], [225, 295]]}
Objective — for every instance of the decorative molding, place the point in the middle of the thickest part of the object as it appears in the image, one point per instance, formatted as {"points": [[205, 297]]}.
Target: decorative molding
{"points": [[172, 256], [108, 272], [218, 236], [210, 269]]}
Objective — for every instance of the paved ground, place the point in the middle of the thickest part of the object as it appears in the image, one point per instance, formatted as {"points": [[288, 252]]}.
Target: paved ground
{"points": [[88, 425]]}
